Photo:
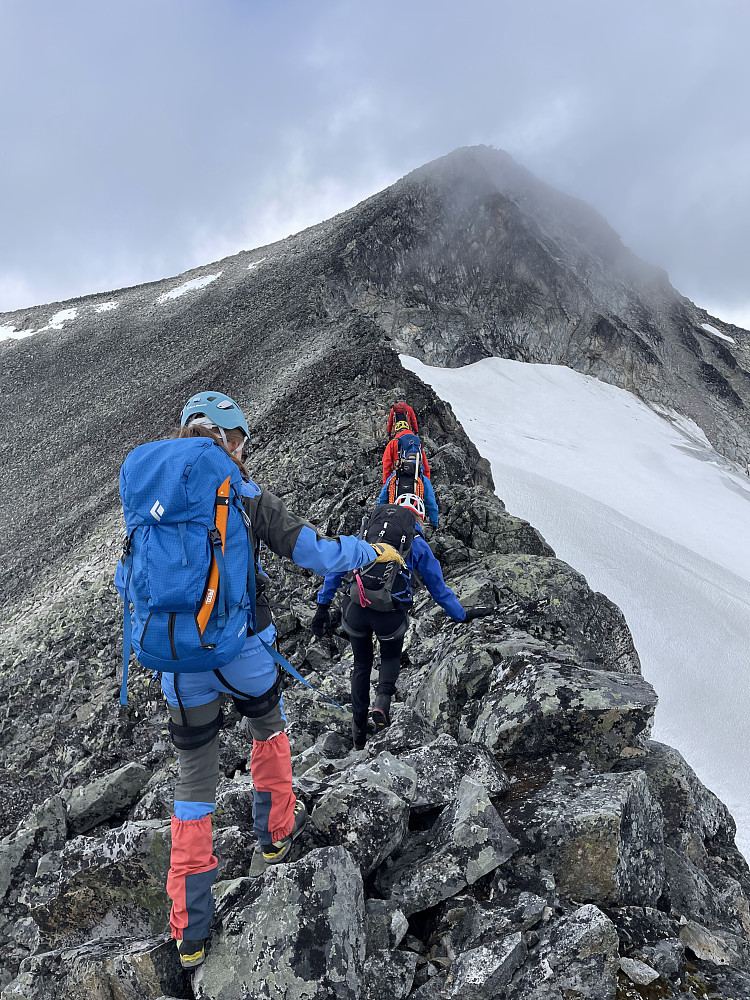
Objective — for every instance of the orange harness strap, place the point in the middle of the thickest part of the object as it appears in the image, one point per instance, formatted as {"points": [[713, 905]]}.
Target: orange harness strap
{"points": [[212, 585]]}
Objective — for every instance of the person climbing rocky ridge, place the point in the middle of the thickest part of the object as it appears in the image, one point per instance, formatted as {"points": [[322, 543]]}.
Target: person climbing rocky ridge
{"points": [[514, 832]]}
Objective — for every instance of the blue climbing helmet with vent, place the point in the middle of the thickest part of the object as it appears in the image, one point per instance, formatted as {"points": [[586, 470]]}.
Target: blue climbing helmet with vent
{"points": [[220, 409]]}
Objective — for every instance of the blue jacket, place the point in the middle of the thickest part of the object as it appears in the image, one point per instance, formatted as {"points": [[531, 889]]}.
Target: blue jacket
{"points": [[420, 558], [430, 502]]}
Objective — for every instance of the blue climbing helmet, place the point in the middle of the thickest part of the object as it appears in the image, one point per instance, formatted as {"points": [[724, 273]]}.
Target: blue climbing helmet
{"points": [[220, 409]]}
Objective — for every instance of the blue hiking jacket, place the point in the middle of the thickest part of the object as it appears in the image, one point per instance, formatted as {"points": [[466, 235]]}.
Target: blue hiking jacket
{"points": [[430, 502], [420, 558]]}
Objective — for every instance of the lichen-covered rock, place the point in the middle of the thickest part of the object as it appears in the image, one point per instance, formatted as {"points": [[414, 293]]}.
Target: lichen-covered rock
{"points": [[441, 766], [102, 886], [667, 957], [704, 894], [577, 957], [600, 835], [110, 794], [552, 707], [116, 967], [483, 973], [466, 923], [469, 840], [42, 831], [389, 974], [692, 813], [297, 932], [370, 820], [593, 626], [479, 520], [385, 924], [409, 730]]}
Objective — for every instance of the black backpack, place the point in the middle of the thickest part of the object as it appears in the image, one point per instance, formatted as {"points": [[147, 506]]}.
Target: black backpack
{"points": [[374, 586]]}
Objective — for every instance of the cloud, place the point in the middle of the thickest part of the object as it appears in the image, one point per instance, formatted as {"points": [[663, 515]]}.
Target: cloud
{"points": [[151, 138]]}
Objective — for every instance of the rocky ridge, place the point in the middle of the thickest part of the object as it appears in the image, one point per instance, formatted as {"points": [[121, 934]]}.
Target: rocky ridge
{"points": [[467, 257], [514, 834]]}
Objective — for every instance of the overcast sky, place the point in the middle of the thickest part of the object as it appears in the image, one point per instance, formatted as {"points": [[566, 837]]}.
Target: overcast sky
{"points": [[144, 137]]}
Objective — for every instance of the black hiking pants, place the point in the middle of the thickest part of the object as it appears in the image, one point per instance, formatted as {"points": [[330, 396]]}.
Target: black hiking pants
{"points": [[389, 628]]}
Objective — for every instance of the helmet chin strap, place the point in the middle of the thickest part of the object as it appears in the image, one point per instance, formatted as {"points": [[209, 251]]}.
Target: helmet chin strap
{"points": [[211, 426]]}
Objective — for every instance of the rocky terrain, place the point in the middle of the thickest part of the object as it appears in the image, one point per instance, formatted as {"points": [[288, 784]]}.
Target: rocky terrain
{"points": [[514, 834]]}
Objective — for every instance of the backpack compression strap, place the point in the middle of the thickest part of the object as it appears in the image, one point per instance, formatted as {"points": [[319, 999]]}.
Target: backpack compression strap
{"points": [[215, 579]]}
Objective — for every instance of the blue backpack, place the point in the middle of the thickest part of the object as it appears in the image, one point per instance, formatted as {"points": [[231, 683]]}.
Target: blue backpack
{"points": [[409, 455], [185, 525]]}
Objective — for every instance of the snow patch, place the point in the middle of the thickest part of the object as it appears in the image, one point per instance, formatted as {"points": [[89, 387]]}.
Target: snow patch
{"points": [[255, 263], [62, 317], [643, 506], [717, 333], [189, 286], [104, 307], [10, 333]]}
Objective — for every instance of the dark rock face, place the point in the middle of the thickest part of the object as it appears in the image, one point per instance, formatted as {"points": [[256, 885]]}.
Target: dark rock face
{"points": [[514, 832]]}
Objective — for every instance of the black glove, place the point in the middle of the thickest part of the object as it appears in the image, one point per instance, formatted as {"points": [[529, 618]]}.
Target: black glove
{"points": [[321, 620], [479, 612]]}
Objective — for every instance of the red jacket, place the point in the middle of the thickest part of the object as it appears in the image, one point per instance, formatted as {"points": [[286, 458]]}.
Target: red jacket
{"points": [[404, 411], [390, 456]]}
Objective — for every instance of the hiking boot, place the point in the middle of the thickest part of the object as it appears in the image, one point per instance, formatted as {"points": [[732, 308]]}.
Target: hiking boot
{"points": [[359, 734], [381, 711], [278, 850], [192, 953]]}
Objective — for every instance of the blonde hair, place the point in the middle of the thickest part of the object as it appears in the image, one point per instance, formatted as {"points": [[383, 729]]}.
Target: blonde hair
{"points": [[200, 430]]}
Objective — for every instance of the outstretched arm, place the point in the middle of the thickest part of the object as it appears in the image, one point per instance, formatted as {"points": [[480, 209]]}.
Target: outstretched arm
{"points": [[430, 502], [288, 535], [432, 575]]}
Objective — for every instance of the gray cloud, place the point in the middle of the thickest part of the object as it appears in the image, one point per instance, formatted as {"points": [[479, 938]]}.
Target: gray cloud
{"points": [[147, 138]]}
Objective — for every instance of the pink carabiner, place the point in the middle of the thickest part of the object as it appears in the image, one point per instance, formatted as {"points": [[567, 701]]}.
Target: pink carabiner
{"points": [[360, 587]]}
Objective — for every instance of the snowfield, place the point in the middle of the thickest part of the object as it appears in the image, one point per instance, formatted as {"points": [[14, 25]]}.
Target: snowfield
{"points": [[188, 286], [641, 504]]}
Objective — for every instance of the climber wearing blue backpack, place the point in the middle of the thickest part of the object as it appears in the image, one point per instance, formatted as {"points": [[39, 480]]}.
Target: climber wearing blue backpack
{"points": [[190, 569], [410, 477]]}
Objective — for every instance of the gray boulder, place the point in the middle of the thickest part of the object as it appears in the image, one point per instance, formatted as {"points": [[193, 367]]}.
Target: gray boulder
{"points": [[483, 973], [692, 813], [577, 957], [367, 811], [385, 924], [600, 835], [42, 831], [706, 895], [469, 840], [295, 933], [389, 974], [594, 627], [105, 797], [104, 886], [714, 947], [553, 707], [638, 972], [121, 968], [667, 957], [479, 520], [441, 766], [466, 923]]}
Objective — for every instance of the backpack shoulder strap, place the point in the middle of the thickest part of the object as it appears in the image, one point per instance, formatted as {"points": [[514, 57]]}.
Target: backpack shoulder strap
{"points": [[127, 625]]}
